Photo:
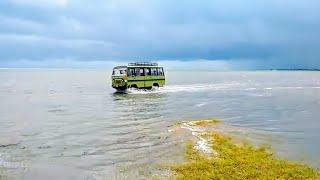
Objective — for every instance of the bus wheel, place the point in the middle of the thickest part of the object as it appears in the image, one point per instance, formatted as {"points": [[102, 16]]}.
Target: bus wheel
{"points": [[133, 86], [155, 86]]}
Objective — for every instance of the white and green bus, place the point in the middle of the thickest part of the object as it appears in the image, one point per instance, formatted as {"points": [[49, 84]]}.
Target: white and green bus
{"points": [[140, 75]]}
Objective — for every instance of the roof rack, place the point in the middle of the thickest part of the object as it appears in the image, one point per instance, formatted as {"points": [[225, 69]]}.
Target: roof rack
{"points": [[143, 64]]}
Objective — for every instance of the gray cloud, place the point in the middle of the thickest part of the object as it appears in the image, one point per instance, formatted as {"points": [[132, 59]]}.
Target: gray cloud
{"points": [[271, 32]]}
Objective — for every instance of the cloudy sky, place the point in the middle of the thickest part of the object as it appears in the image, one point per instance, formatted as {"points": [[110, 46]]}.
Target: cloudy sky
{"points": [[233, 33]]}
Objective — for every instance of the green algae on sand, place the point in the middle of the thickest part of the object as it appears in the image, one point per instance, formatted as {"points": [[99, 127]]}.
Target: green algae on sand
{"points": [[204, 122], [238, 161]]}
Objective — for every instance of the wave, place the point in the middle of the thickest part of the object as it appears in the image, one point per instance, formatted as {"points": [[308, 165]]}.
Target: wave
{"points": [[186, 88], [214, 87], [201, 104]]}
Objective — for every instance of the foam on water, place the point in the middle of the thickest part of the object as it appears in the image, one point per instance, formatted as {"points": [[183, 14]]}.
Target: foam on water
{"points": [[7, 164], [202, 144], [189, 88], [201, 104], [143, 91], [212, 87]]}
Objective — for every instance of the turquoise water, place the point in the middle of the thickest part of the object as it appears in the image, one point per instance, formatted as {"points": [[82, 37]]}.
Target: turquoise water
{"points": [[69, 124]]}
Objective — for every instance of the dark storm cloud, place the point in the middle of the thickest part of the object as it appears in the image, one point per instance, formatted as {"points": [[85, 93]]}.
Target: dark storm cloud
{"points": [[280, 32]]}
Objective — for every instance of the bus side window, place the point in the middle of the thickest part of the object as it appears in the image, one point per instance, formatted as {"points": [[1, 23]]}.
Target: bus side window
{"points": [[142, 72], [154, 72], [131, 72], [147, 71], [160, 70], [137, 71]]}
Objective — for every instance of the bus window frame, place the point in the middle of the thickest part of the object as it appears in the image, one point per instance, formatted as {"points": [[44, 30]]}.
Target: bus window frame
{"points": [[145, 71], [137, 71], [154, 71], [160, 71], [141, 72], [149, 71], [131, 72]]}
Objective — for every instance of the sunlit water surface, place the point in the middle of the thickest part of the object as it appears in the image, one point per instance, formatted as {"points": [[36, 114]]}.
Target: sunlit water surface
{"points": [[69, 124]]}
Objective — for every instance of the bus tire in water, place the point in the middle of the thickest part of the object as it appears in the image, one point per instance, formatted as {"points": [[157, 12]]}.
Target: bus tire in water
{"points": [[134, 86], [155, 86]]}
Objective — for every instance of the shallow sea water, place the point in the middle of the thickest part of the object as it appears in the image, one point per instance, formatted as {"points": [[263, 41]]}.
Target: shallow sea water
{"points": [[69, 124]]}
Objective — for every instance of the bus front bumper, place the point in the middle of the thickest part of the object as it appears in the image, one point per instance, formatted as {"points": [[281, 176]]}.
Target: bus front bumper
{"points": [[119, 83]]}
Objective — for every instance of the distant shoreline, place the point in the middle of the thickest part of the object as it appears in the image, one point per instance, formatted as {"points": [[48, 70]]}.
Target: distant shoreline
{"points": [[294, 69], [180, 70]]}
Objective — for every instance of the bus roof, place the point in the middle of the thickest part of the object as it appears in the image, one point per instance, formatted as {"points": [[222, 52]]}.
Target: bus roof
{"points": [[143, 64], [139, 64], [119, 67]]}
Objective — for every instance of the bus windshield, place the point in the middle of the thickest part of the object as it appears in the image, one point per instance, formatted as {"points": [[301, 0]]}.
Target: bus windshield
{"points": [[119, 71]]}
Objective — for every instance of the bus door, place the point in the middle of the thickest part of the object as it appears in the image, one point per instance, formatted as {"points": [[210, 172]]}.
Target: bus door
{"points": [[148, 77]]}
